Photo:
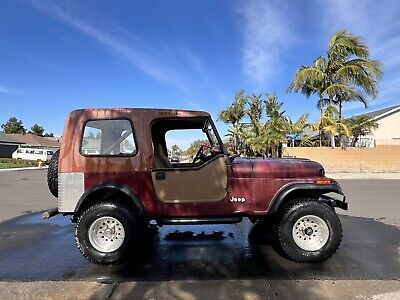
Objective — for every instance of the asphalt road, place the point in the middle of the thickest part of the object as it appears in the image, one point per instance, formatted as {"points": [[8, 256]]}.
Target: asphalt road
{"points": [[192, 262]]}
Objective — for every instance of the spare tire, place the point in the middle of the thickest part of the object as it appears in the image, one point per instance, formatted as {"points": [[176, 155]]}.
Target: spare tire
{"points": [[52, 174]]}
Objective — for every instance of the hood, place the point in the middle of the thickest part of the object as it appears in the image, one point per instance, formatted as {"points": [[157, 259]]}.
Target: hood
{"points": [[276, 167]]}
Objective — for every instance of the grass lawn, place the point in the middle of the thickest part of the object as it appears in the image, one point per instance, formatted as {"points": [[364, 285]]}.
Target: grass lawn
{"points": [[11, 165]]}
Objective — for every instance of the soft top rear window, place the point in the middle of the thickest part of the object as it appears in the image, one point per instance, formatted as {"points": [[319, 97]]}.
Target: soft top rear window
{"points": [[108, 138]]}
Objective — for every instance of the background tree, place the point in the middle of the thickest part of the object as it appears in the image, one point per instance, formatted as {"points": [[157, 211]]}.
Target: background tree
{"points": [[37, 130], [299, 125], [278, 125], [13, 125], [258, 137], [176, 150], [194, 147], [297, 129], [330, 124], [345, 74], [48, 134], [359, 126], [232, 115]]}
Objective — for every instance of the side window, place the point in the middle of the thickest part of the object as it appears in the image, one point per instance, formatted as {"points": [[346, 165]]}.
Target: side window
{"points": [[185, 143], [20, 151], [38, 152], [108, 137]]}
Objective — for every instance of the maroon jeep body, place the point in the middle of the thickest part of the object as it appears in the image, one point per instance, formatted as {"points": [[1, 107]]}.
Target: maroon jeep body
{"points": [[113, 176]]}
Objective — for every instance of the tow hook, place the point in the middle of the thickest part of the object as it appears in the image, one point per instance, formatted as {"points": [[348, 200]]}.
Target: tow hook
{"points": [[47, 214]]}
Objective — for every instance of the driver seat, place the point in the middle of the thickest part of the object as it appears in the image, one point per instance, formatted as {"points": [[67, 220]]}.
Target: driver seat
{"points": [[161, 161]]}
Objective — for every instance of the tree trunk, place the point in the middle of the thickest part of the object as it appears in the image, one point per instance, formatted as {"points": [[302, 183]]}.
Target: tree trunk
{"points": [[333, 141], [320, 120], [340, 120], [332, 135], [355, 140]]}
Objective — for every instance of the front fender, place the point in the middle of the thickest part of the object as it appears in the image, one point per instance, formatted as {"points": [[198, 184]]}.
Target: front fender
{"points": [[308, 189]]}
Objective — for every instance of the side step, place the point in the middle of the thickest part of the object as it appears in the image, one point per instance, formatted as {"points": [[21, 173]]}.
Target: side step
{"points": [[199, 220]]}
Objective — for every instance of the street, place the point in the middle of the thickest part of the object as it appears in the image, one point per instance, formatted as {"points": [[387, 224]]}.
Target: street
{"points": [[194, 262]]}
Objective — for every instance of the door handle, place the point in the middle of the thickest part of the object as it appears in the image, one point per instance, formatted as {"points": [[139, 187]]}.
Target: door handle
{"points": [[160, 176]]}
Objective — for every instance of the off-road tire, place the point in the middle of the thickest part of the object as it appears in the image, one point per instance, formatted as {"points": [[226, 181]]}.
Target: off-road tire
{"points": [[52, 174], [291, 214], [125, 216]]}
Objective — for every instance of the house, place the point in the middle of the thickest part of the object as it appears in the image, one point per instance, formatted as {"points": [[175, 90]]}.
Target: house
{"points": [[388, 132], [35, 141], [8, 145]]}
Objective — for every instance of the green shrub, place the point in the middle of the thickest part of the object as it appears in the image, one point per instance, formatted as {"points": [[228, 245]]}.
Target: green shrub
{"points": [[22, 162]]}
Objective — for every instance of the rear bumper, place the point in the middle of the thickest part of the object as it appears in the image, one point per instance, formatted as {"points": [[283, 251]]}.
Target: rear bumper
{"points": [[51, 212]]}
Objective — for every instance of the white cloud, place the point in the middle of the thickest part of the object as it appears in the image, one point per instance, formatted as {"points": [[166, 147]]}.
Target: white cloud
{"points": [[267, 32], [4, 89], [136, 51]]}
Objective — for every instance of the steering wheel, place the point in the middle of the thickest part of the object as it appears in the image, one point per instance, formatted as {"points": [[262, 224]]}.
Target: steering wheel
{"points": [[202, 153]]}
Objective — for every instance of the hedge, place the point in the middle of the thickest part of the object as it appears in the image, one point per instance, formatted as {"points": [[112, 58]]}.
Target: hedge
{"points": [[24, 162]]}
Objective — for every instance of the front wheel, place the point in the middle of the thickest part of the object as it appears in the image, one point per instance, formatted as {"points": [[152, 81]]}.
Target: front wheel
{"points": [[107, 233], [308, 231]]}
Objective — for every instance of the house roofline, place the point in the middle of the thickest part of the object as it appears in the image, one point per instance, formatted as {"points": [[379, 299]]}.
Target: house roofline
{"points": [[387, 113]]}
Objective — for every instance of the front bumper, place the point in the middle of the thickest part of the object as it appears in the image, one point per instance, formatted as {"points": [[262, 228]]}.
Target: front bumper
{"points": [[340, 203]]}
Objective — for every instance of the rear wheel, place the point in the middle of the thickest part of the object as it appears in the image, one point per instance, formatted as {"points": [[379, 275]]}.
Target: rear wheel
{"points": [[308, 231], [107, 233]]}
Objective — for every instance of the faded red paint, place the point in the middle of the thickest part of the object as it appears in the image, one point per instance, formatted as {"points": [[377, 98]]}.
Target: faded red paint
{"points": [[256, 180]]}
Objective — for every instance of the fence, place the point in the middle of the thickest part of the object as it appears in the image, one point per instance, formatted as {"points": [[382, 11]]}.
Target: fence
{"points": [[384, 159]]}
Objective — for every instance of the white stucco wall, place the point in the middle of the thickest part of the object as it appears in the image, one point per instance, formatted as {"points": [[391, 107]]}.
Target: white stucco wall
{"points": [[388, 132]]}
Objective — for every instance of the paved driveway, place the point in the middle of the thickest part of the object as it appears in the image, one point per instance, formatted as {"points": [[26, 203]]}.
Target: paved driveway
{"points": [[193, 262]]}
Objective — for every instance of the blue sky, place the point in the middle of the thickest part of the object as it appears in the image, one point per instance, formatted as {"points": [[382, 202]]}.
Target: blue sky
{"points": [[57, 56]]}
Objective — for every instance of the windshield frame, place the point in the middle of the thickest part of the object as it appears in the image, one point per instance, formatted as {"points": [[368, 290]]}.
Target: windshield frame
{"points": [[213, 130]]}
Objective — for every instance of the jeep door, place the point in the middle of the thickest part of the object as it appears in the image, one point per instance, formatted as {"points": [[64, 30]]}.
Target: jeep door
{"points": [[202, 179]]}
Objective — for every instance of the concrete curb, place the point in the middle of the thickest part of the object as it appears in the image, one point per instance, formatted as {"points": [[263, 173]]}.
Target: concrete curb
{"points": [[23, 169], [204, 289], [364, 175]]}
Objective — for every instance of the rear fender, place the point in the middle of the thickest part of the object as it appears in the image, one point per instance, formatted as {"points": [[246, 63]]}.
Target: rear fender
{"points": [[103, 189]]}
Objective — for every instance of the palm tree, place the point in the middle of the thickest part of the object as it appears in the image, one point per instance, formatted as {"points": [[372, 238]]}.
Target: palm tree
{"points": [[255, 109], [236, 111], [346, 74], [331, 124], [278, 125], [175, 150], [359, 126], [233, 114], [299, 126]]}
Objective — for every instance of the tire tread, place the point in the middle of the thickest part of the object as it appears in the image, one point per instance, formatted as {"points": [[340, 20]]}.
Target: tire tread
{"points": [[282, 219]]}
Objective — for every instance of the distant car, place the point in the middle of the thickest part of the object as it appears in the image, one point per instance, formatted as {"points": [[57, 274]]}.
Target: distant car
{"points": [[174, 159], [33, 154]]}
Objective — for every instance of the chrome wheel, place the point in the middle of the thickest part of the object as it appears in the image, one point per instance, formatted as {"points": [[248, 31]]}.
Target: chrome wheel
{"points": [[310, 233], [106, 234]]}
